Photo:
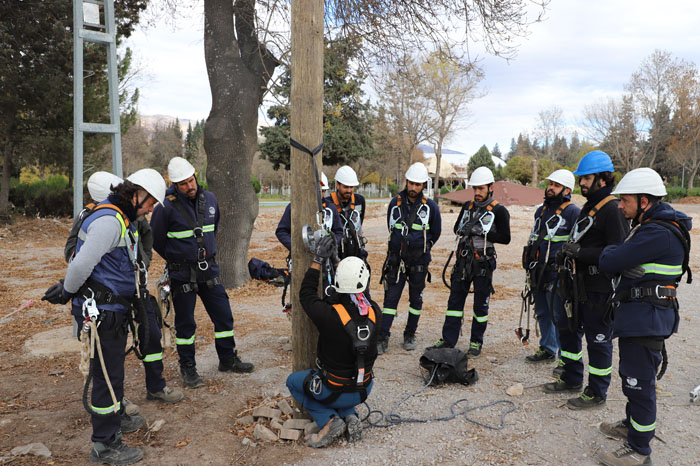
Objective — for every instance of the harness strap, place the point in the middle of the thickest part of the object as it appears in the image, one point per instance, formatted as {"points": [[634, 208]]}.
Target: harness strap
{"points": [[103, 294]]}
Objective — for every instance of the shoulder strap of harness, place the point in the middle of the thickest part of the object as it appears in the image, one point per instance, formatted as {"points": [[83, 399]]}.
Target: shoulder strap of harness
{"points": [[336, 201], [97, 207], [600, 205], [360, 333]]}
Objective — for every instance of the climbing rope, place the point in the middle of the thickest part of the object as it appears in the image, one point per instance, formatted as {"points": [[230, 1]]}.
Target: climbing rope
{"points": [[393, 418]]}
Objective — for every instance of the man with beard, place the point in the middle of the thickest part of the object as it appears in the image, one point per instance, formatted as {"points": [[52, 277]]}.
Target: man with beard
{"points": [[184, 234], [481, 223], [599, 224], [651, 262], [553, 222], [415, 225]]}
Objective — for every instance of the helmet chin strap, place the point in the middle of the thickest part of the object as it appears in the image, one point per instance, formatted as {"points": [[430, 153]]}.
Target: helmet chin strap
{"points": [[143, 201]]}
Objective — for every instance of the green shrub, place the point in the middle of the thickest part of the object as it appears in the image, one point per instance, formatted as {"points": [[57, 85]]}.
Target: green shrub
{"points": [[675, 192], [256, 183], [394, 189], [52, 196], [445, 189], [459, 188]]}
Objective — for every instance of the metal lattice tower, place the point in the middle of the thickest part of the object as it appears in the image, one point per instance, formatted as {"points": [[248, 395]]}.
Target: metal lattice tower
{"points": [[98, 16]]}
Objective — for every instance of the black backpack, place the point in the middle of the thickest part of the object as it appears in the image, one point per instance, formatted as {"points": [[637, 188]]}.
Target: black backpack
{"points": [[447, 365]]}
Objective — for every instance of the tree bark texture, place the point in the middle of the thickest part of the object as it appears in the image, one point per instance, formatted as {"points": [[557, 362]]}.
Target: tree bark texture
{"points": [[6, 174], [239, 68], [306, 121], [438, 160]]}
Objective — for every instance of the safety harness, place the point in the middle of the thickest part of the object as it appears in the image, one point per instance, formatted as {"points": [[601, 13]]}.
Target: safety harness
{"points": [[471, 261], [534, 270], [197, 229], [570, 282], [360, 331], [660, 293], [394, 261], [352, 243], [97, 294]]}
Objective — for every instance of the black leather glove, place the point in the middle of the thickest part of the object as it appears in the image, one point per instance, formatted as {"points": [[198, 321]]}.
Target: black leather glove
{"points": [[477, 230], [559, 258], [57, 294], [571, 249], [325, 249], [634, 272]]}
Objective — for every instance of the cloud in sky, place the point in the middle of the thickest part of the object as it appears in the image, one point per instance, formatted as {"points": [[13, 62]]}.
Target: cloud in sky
{"points": [[582, 53]]}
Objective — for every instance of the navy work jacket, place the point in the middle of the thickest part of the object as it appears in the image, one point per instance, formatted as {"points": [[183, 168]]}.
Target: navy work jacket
{"points": [[660, 253], [415, 231], [173, 235], [569, 216]]}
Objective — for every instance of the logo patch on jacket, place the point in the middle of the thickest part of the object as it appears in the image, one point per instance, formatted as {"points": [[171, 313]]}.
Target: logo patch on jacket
{"points": [[212, 211]]}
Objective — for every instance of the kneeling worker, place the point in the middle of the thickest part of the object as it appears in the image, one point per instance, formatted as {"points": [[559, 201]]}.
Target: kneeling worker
{"points": [[347, 348]]}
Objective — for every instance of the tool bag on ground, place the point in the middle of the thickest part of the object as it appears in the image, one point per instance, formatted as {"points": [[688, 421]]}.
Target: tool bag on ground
{"points": [[449, 365]]}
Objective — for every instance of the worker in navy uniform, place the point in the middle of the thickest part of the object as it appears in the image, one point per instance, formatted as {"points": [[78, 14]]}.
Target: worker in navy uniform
{"points": [[103, 267], [415, 225], [184, 234], [99, 186], [601, 224], [351, 208], [347, 323], [558, 215], [284, 227], [480, 224], [651, 262]]}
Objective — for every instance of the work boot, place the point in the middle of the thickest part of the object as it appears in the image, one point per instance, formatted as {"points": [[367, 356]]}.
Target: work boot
{"points": [[130, 408], [561, 386], [440, 344], [114, 452], [586, 400], [234, 364], [474, 350], [558, 370], [615, 429], [168, 395], [190, 377], [331, 431], [131, 424], [409, 340], [354, 432], [624, 456], [541, 355], [382, 344]]}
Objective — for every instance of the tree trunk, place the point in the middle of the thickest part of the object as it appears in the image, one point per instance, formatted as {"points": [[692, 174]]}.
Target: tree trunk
{"points": [[438, 160], [5, 187], [306, 121], [534, 173], [239, 68]]}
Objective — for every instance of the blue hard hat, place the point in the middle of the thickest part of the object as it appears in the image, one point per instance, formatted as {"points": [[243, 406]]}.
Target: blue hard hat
{"points": [[596, 161]]}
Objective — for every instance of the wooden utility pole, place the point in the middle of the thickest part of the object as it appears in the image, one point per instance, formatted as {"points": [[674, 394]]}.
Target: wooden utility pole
{"points": [[306, 120]]}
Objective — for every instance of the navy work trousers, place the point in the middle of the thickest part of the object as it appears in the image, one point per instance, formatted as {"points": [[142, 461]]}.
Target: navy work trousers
{"points": [[598, 331], [638, 368], [394, 282], [217, 305], [459, 290], [153, 353]]}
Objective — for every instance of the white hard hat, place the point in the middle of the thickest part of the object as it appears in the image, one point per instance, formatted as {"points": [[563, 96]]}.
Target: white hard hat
{"points": [[324, 181], [481, 176], [347, 176], [99, 185], [417, 173], [179, 169], [641, 181], [351, 276], [151, 181], [563, 177]]}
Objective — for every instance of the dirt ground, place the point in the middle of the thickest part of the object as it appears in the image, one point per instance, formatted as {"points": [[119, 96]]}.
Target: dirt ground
{"points": [[40, 392]]}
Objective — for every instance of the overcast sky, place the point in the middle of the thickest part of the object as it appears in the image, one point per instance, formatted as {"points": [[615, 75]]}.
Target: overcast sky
{"points": [[584, 52]]}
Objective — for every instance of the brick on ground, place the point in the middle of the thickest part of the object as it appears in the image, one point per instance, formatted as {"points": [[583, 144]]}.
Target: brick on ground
{"points": [[269, 413], [295, 423], [290, 434]]}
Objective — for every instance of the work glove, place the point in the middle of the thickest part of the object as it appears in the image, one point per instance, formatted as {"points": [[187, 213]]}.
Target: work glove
{"points": [[477, 230], [326, 249], [57, 294], [571, 249], [559, 258], [634, 272]]}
